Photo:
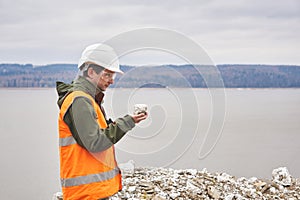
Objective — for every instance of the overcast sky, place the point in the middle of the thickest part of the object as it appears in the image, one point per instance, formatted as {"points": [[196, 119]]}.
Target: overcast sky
{"points": [[230, 31]]}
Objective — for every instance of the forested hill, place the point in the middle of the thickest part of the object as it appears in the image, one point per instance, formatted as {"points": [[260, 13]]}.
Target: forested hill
{"points": [[233, 76]]}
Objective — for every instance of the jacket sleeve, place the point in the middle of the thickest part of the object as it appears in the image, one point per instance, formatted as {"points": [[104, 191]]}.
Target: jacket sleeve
{"points": [[82, 121]]}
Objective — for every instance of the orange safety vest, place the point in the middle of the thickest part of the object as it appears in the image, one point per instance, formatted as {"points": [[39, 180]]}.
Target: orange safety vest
{"points": [[85, 175]]}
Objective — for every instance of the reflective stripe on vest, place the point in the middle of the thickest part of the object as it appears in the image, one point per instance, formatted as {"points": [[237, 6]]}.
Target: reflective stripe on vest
{"points": [[91, 178], [66, 141]]}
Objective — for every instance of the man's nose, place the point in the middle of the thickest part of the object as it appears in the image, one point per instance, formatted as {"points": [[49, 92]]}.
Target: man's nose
{"points": [[111, 81]]}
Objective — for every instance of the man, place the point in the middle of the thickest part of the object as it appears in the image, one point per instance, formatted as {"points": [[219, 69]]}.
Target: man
{"points": [[88, 168]]}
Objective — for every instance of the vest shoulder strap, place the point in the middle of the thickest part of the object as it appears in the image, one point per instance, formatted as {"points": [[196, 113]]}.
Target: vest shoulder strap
{"points": [[70, 99], [75, 94]]}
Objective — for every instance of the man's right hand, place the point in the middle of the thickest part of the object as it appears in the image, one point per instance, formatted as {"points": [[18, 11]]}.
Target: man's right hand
{"points": [[139, 117]]}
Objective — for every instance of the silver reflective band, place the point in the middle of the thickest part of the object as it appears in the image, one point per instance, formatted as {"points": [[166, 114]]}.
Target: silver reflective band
{"points": [[66, 141], [92, 178]]}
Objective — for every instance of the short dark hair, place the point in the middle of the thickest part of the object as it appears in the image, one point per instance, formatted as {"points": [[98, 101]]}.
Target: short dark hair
{"points": [[96, 68]]}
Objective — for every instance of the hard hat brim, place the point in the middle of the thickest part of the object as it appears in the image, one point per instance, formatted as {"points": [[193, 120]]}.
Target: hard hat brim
{"points": [[102, 55]]}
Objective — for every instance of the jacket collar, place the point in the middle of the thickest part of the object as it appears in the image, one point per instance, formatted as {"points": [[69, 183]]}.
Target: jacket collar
{"points": [[88, 87], [81, 84]]}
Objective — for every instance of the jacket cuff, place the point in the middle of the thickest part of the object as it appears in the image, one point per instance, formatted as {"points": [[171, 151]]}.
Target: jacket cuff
{"points": [[129, 121]]}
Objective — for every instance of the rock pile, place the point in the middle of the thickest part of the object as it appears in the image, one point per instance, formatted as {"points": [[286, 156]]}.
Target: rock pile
{"points": [[163, 184]]}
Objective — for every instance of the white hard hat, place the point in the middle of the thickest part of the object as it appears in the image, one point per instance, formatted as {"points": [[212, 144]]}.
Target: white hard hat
{"points": [[101, 54]]}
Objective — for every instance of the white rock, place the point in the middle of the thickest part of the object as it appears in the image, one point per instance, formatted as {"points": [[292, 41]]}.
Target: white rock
{"points": [[133, 198], [163, 194], [242, 179], [127, 168], [131, 188], [234, 197], [204, 171], [252, 179], [282, 176], [192, 171], [139, 108], [57, 196], [190, 185], [213, 192], [174, 195], [273, 190], [223, 177], [175, 176]]}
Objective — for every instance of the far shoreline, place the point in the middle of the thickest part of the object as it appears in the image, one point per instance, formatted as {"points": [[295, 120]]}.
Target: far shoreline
{"points": [[177, 88]]}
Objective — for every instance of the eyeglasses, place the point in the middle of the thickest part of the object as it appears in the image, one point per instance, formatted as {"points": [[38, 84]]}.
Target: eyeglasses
{"points": [[108, 75]]}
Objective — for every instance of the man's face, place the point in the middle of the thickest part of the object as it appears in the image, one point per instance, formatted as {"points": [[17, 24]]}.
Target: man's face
{"points": [[104, 79]]}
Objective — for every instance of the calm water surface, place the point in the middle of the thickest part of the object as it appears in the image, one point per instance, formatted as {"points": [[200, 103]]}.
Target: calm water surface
{"points": [[248, 133]]}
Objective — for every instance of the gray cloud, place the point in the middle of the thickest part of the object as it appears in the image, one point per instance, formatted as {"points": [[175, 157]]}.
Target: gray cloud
{"points": [[232, 31]]}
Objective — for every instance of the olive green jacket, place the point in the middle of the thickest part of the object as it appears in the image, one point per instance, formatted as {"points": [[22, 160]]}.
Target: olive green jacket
{"points": [[81, 117]]}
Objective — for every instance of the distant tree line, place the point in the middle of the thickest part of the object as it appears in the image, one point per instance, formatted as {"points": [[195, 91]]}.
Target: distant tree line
{"points": [[196, 76]]}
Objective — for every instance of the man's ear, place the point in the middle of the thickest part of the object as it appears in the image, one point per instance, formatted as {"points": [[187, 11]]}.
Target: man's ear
{"points": [[90, 72]]}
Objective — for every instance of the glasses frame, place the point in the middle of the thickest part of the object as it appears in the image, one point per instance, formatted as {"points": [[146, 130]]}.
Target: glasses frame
{"points": [[108, 75]]}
